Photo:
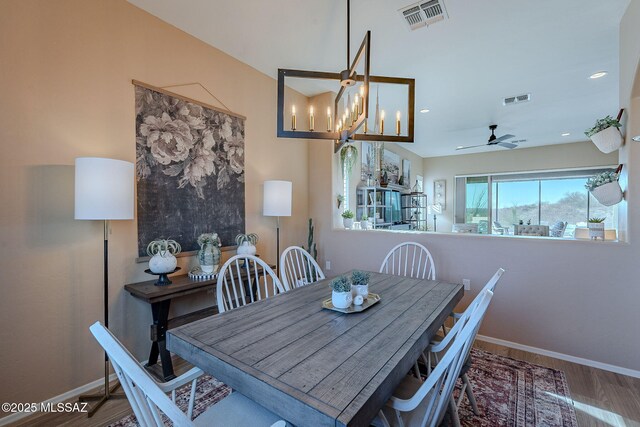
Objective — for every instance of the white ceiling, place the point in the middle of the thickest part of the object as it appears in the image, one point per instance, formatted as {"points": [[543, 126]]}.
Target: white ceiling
{"points": [[463, 66]]}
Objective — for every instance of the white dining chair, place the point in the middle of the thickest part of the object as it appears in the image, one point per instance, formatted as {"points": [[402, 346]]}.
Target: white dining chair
{"points": [[409, 259], [415, 403], [430, 355], [298, 268], [149, 401], [244, 279]]}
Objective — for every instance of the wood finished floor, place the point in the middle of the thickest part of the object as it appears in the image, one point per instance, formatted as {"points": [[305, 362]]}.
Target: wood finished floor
{"points": [[600, 398]]}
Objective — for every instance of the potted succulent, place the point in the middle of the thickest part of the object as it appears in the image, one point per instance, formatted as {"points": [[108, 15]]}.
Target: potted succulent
{"points": [[341, 292], [605, 187], [209, 253], [360, 284], [605, 134], [246, 244], [596, 228], [347, 219], [163, 255], [364, 222]]}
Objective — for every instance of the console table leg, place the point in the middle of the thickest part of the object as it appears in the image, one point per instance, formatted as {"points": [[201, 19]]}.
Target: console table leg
{"points": [[160, 313]]}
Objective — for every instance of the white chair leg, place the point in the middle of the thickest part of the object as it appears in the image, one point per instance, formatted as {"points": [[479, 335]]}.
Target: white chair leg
{"points": [[470, 396], [455, 419], [416, 371]]}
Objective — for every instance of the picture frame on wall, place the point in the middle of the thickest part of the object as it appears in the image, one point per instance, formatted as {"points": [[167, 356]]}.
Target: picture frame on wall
{"points": [[391, 165], [406, 173], [367, 157]]}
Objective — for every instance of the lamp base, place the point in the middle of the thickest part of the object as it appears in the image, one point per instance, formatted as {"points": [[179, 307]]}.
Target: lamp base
{"points": [[101, 398]]}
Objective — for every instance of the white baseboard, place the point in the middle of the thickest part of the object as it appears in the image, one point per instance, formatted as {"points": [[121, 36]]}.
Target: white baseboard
{"points": [[12, 418], [562, 356]]}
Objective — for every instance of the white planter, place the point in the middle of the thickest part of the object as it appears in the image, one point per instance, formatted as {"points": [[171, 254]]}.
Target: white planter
{"points": [[365, 225], [347, 222], [163, 263], [608, 194], [341, 299], [608, 140], [246, 248], [596, 230], [362, 290]]}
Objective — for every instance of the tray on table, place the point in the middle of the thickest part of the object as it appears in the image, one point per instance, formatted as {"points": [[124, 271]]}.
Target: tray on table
{"points": [[371, 300]]}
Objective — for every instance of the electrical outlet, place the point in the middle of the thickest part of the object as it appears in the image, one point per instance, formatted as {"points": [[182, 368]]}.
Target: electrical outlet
{"points": [[467, 284], [327, 265]]}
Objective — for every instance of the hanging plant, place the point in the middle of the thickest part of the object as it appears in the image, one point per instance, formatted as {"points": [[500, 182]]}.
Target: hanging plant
{"points": [[348, 157]]}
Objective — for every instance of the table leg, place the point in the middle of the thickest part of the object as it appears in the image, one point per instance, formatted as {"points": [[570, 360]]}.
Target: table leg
{"points": [[160, 313]]}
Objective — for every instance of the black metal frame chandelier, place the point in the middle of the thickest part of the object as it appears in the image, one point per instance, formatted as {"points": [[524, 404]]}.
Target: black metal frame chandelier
{"points": [[343, 128]]}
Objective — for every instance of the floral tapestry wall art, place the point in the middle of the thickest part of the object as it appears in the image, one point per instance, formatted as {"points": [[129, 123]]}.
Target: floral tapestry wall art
{"points": [[190, 170]]}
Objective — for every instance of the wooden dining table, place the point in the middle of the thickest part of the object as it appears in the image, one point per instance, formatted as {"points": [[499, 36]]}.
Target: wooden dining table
{"points": [[317, 367]]}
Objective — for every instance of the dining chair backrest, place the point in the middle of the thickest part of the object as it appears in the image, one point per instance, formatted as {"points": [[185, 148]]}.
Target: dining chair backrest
{"points": [[409, 259], [298, 268], [435, 392], [244, 279], [147, 400], [466, 315]]}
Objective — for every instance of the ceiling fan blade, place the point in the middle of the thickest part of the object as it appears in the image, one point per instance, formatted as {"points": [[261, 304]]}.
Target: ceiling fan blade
{"points": [[509, 145], [502, 138], [470, 146]]}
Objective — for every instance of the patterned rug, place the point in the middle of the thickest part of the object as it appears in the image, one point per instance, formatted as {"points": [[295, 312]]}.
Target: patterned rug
{"points": [[509, 393]]}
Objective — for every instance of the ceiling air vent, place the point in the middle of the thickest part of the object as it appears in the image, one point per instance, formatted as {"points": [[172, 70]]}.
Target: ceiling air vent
{"points": [[516, 99], [423, 13]]}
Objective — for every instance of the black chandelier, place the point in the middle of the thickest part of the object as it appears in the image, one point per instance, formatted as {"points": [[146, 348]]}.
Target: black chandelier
{"points": [[344, 121]]}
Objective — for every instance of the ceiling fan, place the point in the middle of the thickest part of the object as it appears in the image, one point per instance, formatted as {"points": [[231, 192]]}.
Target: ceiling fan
{"points": [[493, 140]]}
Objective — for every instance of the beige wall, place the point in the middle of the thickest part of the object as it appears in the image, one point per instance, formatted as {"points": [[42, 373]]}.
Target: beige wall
{"points": [[574, 298], [66, 92], [563, 156]]}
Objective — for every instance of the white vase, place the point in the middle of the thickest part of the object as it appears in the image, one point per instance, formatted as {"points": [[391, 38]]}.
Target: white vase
{"points": [[365, 224], [163, 263], [596, 230], [362, 290], [347, 222], [246, 248], [608, 140], [608, 194], [341, 299]]}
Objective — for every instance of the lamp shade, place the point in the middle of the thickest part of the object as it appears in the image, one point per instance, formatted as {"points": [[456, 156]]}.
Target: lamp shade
{"points": [[435, 209], [277, 198], [103, 189]]}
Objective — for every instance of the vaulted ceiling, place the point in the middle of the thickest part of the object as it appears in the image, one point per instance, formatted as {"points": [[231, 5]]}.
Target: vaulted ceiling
{"points": [[464, 66]]}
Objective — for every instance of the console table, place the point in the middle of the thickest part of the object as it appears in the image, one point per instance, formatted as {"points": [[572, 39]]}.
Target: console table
{"points": [[160, 299]]}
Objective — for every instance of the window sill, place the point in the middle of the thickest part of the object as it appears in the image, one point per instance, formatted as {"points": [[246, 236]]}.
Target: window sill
{"points": [[569, 240]]}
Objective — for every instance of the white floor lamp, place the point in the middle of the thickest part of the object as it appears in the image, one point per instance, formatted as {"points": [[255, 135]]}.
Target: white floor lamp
{"points": [[103, 191], [277, 202]]}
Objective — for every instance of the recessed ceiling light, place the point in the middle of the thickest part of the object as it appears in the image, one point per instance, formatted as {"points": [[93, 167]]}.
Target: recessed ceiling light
{"points": [[424, 110], [636, 138], [566, 134], [459, 147], [598, 75]]}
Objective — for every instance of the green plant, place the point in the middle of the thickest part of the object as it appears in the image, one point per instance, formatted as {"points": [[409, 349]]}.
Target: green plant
{"points": [[348, 157], [601, 179], [360, 278], [162, 246], [209, 238], [348, 214], [310, 270], [364, 217], [596, 220], [341, 284], [252, 238], [602, 124]]}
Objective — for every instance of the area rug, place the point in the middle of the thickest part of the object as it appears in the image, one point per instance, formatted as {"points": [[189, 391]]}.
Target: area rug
{"points": [[509, 393]]}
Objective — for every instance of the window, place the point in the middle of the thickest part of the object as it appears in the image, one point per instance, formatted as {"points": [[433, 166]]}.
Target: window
{"points": [[544, 198]]}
